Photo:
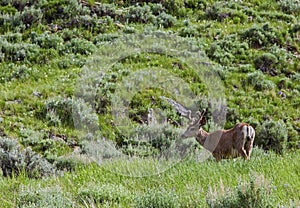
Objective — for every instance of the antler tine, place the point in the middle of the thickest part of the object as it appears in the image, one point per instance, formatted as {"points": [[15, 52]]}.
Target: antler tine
{"points": [[200, 116], [183, 111]]}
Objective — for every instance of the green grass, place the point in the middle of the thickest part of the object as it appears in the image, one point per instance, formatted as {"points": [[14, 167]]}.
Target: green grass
{"points": [[190, 180], [35, 58]]}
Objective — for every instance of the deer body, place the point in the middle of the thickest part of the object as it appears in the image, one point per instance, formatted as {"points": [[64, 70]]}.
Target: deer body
{"points": [[224, 144]]}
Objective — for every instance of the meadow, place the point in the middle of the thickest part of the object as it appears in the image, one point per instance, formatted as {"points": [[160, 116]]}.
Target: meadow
{"points": [[69, 69]]}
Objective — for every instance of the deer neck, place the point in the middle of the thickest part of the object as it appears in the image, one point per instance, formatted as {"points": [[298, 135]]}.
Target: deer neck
{"points": [[202, 136]]}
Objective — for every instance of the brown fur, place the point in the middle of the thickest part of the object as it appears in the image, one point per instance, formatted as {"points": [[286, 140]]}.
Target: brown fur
{"points": [[225, 144]]}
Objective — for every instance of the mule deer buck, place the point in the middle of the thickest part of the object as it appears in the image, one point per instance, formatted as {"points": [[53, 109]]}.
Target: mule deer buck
{"points": [[223, 144]]}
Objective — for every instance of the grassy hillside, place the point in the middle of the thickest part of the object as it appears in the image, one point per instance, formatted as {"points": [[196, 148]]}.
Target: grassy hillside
{"points": [[65, 65]]}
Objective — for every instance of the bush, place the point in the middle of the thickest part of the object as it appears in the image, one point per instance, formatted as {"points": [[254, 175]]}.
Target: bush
{"points": [[70, 112], [57, 112], [174, 7], [229, 50], [103, 194], [15, 160], [266, 63], [263, 36], [8, 9], [61, 9], [222, 11], [79, 46], [156, 198], [47, 40], [30, 16], [104, 10], [290, 6], [47, 197], [45, 143], [252, 194], [140, 14], [19, 4], [19, 51], [272, 135], [258, 81], [165, 20]]}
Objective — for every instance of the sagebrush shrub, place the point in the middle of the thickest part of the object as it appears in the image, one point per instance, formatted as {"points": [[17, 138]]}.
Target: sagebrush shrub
{"points": [[266, 63], [165, 20], [157, 198], [258, 81], [290, 6], [19, 52], [103, 194], [140, 14], [47, 197], [272, 135], [228, 50], [253, 194], [263, 36], [47, 40], [70, 112], [31, 15], [79, 46], [14, 160]]}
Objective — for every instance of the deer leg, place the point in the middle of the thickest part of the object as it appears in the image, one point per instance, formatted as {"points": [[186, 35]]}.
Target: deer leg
{"points": [[217, 157], [243, 153], [248, 147]]}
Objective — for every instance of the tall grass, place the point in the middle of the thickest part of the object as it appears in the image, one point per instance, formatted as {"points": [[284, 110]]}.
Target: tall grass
{"points": [[188, 183]]}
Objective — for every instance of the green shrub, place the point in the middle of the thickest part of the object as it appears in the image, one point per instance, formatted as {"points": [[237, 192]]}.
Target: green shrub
{"points": [[90, 23], [17, 52], [30, 16], [79, 46], [221, 11], [285, 60], [196, 4], [258, 81], [174, 7], [8, 9], [190, 31], [229, 50], [157, 198], [96, 193], [15, 160], [140, 14], [244, 196], [13, 37], [19, 4], [165, 20], [290, 6], [47, 40], [156, 9], [47, 197], [149, 140], [69, 112], [266, 63], [45, 143], [104, 9], [263, 36], [57, 112], [104, 38], [272, 135], [61, 9]]}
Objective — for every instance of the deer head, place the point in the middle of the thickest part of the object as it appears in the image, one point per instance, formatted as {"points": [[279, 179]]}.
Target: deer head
{"points": [[196, 124]]}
